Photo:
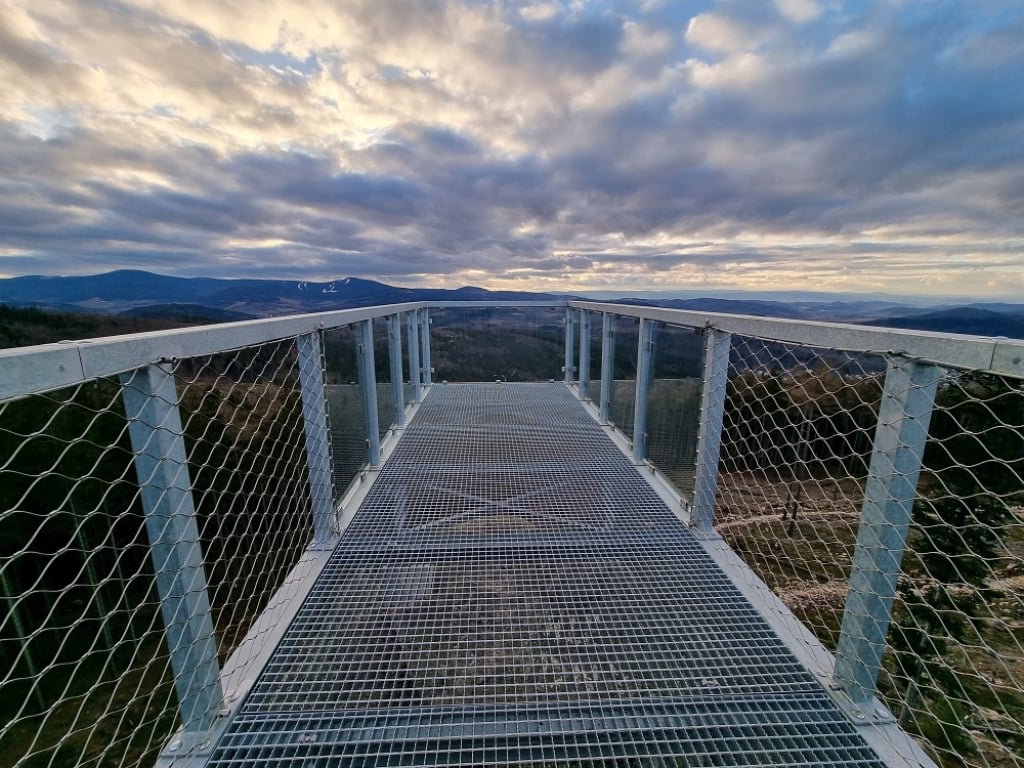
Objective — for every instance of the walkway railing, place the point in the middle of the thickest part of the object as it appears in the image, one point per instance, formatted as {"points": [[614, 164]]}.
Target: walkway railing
{"points": [[167, 499]]}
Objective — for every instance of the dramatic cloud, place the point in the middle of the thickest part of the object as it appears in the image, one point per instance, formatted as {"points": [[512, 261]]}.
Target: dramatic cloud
{"points": [[536, 144]]}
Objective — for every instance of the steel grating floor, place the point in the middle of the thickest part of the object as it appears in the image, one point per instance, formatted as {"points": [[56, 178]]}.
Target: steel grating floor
{"points": [[512, 592]]}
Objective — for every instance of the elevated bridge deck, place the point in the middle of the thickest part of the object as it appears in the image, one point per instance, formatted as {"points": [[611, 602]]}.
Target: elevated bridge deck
{"points": [[512, 591]]}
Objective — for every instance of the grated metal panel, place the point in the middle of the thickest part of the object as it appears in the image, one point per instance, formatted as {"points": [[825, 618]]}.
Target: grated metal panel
{"points": [[502, 443], [513, 592], [509, 404]]}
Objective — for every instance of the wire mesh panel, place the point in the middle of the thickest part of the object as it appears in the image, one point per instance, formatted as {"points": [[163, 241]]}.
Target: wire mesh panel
{"points": [[80, 637], [623, 392], [243, 426], [382, 361], [89, 675], [954, 668], [673, 407], [345, 407], [796, 442], [797, 458], [512, 593]]}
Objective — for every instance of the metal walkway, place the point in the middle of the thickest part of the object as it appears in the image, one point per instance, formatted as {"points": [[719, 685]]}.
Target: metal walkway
{"points": [[513, 592]]}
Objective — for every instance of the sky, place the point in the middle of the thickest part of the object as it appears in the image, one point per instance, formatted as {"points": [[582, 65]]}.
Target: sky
{"points": [[535, 145]]}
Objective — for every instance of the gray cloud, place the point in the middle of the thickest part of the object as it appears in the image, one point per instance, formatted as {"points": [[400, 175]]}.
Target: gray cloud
{"points": [[428, 142]]}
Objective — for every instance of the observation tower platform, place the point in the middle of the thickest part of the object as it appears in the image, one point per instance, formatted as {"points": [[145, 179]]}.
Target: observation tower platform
{"points": [[513, 590]]}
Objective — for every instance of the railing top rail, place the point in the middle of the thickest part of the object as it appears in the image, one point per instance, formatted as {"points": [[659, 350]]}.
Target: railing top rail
{"points": [[29, 370], [995, 354]]}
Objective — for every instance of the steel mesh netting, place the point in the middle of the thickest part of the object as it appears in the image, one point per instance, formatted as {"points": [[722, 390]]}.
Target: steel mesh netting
{"points": [[386, 402], [797, 440], [592, 375], [954, 669], [623, 388], [495, 605], [673, 405], [797, 434], [242, 417], [85, 672], [345, 408]]}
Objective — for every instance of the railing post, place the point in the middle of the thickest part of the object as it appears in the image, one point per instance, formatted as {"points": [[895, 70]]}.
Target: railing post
{"points": [[709, 439], [903, 418], [570, 335], [318, 444], [644, 368], [154, 426], [583, 376], [425, 336], [607, 365], [397, 386], [368, 382], [415, 374]]}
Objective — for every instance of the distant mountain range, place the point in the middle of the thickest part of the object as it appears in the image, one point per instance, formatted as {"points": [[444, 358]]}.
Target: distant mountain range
{"points": [[143, 294], [147, 294]]}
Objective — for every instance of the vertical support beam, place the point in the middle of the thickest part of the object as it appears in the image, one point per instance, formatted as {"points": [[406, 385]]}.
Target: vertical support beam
{"points": [[903, 419], [415, 373], [709, 439], [583, 376], [570, 335], [154, 425], [607, 365], [368, 383], [397, 380], [644, 371], [318, 436], [425, 335]]}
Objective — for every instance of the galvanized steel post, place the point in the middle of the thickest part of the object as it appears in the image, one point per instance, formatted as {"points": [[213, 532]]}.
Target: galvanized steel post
{"points": [[415, 374], [368, 383], [709, 438], [583, 376], [318, 444], [570, 335], [397, 381], [903, 419], [607, 365], [644, 368], [165, 489]]}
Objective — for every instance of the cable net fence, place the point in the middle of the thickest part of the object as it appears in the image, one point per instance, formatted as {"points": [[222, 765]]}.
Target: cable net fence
{"points": [[796, 457], [87, 674]]}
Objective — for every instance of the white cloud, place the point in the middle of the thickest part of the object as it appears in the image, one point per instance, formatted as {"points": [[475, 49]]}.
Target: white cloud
{"points": [[740, 72], [516, 140], [540, 11], [715, 32], [798, 11]]}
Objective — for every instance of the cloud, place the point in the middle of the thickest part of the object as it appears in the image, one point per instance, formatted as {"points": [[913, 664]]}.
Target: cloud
{"points": [[716, 32], [546, 143], [798, 10]]}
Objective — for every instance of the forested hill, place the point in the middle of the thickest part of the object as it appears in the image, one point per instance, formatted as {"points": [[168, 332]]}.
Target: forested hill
{"points": [[26, 326]]}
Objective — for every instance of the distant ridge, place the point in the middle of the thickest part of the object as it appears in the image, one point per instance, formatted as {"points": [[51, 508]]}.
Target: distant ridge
{"points": [[133, 291], [973, 320], [144, 294]]}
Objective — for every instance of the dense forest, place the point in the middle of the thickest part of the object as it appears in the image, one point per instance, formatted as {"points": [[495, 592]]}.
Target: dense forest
{"points": [[27, 326]]}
